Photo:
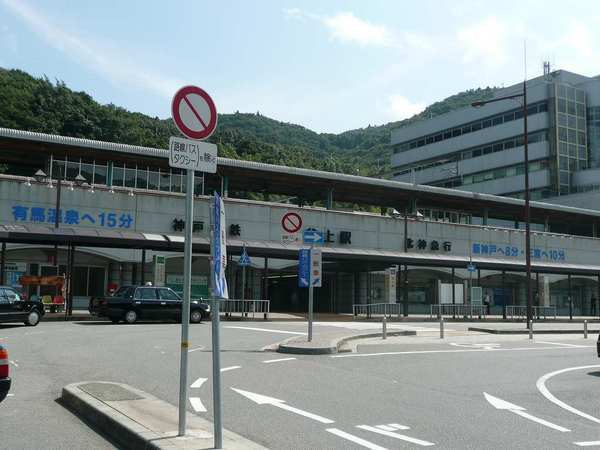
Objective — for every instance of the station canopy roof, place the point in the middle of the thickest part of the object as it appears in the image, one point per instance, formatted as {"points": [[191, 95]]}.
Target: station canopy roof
{"points": [[291, 181], [353, 258]]}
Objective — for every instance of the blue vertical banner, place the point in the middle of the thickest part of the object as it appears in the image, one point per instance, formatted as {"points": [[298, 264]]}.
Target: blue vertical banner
{"points": [[303, 268], [220, 246]]}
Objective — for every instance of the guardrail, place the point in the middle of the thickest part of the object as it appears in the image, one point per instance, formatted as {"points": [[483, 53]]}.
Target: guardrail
{"points": [[458, 310], [245, 308], [376, 309], [520, 311]]}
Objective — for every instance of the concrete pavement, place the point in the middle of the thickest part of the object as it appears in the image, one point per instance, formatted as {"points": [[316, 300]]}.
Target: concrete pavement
{"points": [[402, 393]]}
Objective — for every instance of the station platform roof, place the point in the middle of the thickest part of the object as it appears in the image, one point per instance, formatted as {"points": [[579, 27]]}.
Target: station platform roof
{"points": [[358, 259]]}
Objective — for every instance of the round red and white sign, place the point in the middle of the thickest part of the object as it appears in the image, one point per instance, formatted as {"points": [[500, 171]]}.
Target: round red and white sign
{"points": [[291, 222], [194, 112]]}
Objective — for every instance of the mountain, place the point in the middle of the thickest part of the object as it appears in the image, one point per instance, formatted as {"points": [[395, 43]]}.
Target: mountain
{"points": [[38, 104]]}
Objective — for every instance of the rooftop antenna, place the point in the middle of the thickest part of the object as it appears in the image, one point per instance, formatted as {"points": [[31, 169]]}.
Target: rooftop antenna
{"points": [[546, 68]]}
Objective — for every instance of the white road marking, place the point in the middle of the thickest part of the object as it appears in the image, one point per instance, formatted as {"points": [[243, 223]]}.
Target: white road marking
{"points": [[423, 352], [392, 427], [541, 385], [197, 404], [227, 369], [269, 361], [198, 383], [13, 363], [397, 426], [396, 435], [268, 330], [498, 403], [196, 349], [355, 439], [588, 444], [264, 400], [564, 344], [490, 346], [10, 395]]}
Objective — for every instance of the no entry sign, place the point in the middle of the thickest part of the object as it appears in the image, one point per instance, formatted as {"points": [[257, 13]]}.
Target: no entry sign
{"points": [[194, 112], [291, 222]]}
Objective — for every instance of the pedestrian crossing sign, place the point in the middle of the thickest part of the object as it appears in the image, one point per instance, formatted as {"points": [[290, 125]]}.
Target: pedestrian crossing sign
{"points": [[244, 258]]}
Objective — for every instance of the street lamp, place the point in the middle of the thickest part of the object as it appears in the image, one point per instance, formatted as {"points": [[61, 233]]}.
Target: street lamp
{"points": [[522, 98]]}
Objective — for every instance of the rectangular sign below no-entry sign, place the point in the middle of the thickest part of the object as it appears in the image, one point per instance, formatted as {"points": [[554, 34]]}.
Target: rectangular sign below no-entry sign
{"points": [[192, 154]]}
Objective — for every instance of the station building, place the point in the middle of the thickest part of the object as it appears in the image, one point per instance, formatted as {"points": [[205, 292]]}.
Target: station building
{"points": [[481, 149], [122, 219]]}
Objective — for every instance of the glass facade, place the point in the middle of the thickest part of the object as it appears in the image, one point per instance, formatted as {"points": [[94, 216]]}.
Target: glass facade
{"points": [[123, 175], [593, 123], [571, 135]]}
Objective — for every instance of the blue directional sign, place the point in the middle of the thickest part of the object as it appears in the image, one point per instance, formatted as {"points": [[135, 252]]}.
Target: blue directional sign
{"points": [[244, 258], [471, 267], [303, 268], [313, 236]]}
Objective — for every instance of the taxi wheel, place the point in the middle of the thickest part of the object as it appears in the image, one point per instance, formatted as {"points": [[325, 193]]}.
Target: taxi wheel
{"points": [[131, 316], [195, 317], [33, 319]]}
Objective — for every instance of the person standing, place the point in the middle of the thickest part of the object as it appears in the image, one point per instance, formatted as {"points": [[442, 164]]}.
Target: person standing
{"points": [[486, 303]]}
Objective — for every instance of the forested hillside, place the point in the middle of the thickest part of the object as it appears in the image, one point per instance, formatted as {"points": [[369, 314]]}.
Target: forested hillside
{"points": [[38, 104]]}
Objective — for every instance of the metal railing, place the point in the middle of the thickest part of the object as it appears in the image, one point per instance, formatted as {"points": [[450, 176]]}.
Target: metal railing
{"points": [[245, 308], [520, 311], [458, 310], [376, 309]]}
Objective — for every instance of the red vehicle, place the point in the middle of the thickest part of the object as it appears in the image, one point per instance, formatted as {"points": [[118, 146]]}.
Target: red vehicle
{"points": [[4, 379]]}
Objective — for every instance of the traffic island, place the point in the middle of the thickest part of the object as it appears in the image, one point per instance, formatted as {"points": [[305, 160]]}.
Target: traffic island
{"points": [[328, 343], [134, 419]]}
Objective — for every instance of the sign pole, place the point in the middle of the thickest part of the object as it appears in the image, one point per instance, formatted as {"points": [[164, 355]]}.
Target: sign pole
{"points": [[310, 296], [185, 307], [216, 345]]}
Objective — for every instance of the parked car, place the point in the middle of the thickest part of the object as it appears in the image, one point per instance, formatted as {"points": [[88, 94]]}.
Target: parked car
{"points": [[4, 379], [133, 303], [14, 308]]}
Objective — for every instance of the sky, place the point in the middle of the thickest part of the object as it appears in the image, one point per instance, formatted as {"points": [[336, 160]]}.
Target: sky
{"points": [[328, 65]]}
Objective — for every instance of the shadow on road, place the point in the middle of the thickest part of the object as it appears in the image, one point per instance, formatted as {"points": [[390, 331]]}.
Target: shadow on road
{"points": [[106, 323], [595, 374], [13, 325]]}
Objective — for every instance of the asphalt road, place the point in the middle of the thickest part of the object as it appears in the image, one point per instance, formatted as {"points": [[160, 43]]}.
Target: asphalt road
{"points": [[405, 393]]}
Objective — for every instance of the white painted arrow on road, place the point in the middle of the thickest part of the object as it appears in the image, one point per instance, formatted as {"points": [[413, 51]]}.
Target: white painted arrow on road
{"points": [[498, 403], [260, 399]]}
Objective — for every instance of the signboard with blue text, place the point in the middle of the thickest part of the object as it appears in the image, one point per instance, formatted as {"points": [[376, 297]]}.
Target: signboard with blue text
{"points": [[303, 267], [73, 216], [220, 246]]}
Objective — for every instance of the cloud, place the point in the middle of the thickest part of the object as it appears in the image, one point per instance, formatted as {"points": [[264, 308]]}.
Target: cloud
{"points": [[347, 28], [115, 67], [399, 107]]}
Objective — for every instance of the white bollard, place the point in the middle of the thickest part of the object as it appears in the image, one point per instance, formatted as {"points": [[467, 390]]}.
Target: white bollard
{"points": [[384, 326], [441, 328], [585, 332]]}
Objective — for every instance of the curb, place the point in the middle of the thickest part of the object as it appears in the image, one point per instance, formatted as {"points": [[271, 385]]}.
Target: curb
{"points": [[106, 416], [334, 346], [524, 331]]}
